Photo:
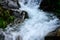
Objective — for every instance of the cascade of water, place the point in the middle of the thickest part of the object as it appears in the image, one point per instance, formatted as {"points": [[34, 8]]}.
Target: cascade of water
{"points": [[36, 27]]}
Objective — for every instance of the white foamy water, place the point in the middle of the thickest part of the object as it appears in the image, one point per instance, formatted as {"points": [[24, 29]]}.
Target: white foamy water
{"points": [[36, 27]]}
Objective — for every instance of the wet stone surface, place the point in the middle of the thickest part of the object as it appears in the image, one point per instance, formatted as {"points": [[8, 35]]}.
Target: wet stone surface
{"points": [[10, 4], [55, 35], [2, 37]]}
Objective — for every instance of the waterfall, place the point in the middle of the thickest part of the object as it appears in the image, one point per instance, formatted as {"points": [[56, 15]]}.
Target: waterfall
{"points": [[36, 27]]}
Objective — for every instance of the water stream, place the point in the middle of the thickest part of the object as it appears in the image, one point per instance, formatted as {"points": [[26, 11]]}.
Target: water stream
{"points": [[36, 27]]}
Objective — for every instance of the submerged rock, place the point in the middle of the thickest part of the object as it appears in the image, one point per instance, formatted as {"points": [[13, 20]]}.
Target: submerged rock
{"points": [[18, 38]]}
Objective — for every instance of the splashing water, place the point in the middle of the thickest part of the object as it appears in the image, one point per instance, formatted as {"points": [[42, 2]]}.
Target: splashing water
{"points": [[36, 27]]}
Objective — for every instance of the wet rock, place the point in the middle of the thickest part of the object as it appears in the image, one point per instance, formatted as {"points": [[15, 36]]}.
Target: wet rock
{"points": [[16, 14], [21, 14], [10, 4], [1, 35], [55, 35], [25, 13], [21, 17], [18, 20], [8, 12], [52, 38], [18, 38], [52, 34], [51, 6], [48, 5], [55, 32], [12, 16], [58, 31], [5, 17], [13, 4]]}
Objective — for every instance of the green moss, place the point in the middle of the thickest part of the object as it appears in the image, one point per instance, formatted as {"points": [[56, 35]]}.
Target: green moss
{"points": [[10, 19], [2, 23], [6, 17]]}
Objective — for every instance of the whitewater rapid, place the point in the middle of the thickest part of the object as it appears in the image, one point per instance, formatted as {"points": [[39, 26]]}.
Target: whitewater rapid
{"points": [[36, 27]]}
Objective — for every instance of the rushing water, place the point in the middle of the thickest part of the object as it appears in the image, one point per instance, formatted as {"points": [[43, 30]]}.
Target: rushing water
{"points": [[36, 27]]}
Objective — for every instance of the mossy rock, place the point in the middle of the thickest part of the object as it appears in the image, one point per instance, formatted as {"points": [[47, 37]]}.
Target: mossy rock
{"points": [[6, 17]]}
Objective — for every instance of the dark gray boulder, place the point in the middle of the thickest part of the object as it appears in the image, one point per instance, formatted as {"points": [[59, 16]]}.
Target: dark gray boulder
{"points": [[56, 32], [20, 17], [16, 14], [2, 37], [20, 14], [26, 14], [54, 35], [10, 4]]}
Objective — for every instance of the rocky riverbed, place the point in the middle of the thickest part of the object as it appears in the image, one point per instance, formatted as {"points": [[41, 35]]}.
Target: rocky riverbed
{"points": [[10, 13], [8, 8]]}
